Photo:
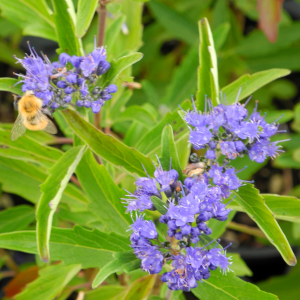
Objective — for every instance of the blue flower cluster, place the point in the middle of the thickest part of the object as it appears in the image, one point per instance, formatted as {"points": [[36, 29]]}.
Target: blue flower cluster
{"points": [[72, 77], [222, 130], [229, 128]]}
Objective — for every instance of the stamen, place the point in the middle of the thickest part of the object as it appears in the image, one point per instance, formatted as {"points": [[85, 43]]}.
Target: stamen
{"points": [[238, 95]]}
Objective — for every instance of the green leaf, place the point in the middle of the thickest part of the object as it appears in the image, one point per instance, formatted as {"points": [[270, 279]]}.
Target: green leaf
{"points": [[117, 66], [103, 194], [40, 8], [285, 286], [151, 142], [177, 24], [27, 19], [91, 249], [238, 266], [229, 287], [16, 218], [254, 205], [23, 179], [169, 151], [136, 113], [7, 84], [159, 205], [107, 292], [220, 34], [140, 288], [124, 261], [108, 147], [52, 190], [85, 13], [296, 231], [28, 150], [208, 82], [251, 83], [50, 282], [283, 207], [187, 73], [112, 32], [65, 28]]}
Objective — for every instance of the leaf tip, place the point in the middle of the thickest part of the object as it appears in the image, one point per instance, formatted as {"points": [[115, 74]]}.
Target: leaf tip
{"points": [[292, 261]]}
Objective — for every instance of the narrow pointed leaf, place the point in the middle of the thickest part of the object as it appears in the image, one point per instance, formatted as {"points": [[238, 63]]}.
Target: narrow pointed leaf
{"points": [[27, 149], [50, 282], [52, 190], [169, 151], [229, 287], [238, 266], [8, 85], [85, 13], [103, 193], [107, 292], [91, 249], [65, 28], [124, 261], [208, 82], [108, 147], [159, 205], [23, 179], [16, 218], [283, 207], [254, 205], [251, 83]]}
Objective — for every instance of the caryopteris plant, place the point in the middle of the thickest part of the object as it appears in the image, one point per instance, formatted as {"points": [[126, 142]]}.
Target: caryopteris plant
{"points": [[132, 198]]}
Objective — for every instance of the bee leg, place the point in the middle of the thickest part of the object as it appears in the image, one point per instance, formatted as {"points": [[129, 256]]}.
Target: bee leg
{"points": [[16, 100]]}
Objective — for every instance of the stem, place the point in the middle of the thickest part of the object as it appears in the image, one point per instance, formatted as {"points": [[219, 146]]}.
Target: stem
{"points": [[63, 140], [168, 294], [75, 181], [245, 228], [102, 14]]}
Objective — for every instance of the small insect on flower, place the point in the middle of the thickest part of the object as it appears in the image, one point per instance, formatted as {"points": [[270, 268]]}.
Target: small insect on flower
{"points": [[31, 116]]}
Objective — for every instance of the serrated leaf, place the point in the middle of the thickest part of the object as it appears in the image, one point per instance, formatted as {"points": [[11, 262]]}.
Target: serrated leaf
{"points": [[50, 282], [16, 218], [7, 84], [91, 249], [138, 114], [85, 13], [65, 28], [251, 83], [117, 66], [108, 147], [103, 193], [52, 190], [254, 205], [208, 82], [28, 150], [23, 179], [124, 261], [159, 205], [169, 151], [229, 287], [28, 20]]}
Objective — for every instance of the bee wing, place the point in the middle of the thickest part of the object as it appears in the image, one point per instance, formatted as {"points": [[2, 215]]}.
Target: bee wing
{"points": [[50, 128], [18, 128]]}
